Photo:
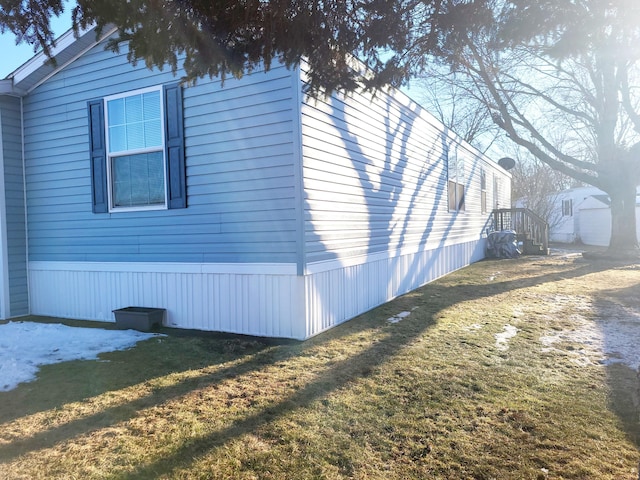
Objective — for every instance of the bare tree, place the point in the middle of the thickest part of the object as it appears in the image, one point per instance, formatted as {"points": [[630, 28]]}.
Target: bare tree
{"points": [[536, 186], [566, 92], [450, 101]]}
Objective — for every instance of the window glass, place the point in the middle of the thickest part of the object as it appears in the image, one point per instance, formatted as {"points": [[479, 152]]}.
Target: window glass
{"points": [[456, 174], [136, 151], [460, 196], [452, 196], [134, 122], [483, 191], [138, 180]]}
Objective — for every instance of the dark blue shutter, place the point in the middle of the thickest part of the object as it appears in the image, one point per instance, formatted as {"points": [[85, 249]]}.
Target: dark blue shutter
{"points": [[98, 151], [174, 147]]}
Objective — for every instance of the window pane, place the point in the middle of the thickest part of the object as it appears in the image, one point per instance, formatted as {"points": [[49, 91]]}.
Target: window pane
{"points": [[452, 196], [135, 122], [117, 138], [460, 196], [133, 108], [135, 136], [153, 133], [115, 109], [453, 166], [156, 178], [151, 105], [138, 180]]}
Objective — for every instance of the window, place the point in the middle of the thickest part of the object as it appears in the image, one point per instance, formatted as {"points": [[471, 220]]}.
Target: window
{"points": [[456, 174], [137, 150], [496, 191], [567, 208], [483, 191], [456, 196]]}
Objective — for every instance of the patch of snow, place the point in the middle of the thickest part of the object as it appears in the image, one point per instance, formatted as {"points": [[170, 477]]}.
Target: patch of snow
{"points": [[621, 341], [398, 317], [502, 338], [474, 326], [25, 346], [613, 339], [491, 278]]}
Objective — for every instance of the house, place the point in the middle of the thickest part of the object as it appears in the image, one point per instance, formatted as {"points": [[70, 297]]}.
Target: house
{"points": [[245, 207], [583, 215], [564, 225]]}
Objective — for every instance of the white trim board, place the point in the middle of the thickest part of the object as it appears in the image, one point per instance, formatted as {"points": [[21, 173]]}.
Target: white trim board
{"points": [[5, 299], [168, 267], [253, 299]]}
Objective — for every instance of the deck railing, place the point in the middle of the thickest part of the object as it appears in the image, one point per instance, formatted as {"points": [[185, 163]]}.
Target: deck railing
{"points": [[524, 222]]}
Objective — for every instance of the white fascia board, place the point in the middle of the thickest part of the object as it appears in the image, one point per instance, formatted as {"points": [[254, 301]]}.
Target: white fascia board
{"points": [[61, 44], [7, 88], [35, 62]]}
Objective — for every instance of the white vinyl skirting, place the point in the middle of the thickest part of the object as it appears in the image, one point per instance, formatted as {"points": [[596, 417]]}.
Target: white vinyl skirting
{"points": [[254, 299]]}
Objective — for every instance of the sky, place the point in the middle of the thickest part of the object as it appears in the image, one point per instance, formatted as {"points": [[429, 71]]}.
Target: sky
{"points": [[13, 56]]}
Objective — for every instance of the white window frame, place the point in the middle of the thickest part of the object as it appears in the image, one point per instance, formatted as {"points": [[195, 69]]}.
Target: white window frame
{"points": [[497, 186], [483, 190], [138, 151], [456, 176]]}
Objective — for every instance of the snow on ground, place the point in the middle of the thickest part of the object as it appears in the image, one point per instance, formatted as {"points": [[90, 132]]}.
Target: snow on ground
{"points": [[400, 316], [613, 339], [502, 338], [25, 346]]}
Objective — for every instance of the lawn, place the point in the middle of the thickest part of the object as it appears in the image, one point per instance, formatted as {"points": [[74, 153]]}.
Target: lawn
{"points": [[507, 369]]}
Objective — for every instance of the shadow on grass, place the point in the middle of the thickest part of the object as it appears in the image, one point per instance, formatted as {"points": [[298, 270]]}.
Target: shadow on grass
{"points": [[180, 354], [621, 306]]}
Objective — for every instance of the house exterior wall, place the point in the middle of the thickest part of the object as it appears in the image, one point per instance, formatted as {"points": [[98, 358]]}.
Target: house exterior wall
{"points": [[375, 179], [377, 219], [301, 214], [566, 228], [211, 265], [12, 216], [240, 176]]}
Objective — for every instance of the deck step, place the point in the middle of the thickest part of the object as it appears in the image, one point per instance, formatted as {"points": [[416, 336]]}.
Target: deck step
{"points": [[530, 247]]}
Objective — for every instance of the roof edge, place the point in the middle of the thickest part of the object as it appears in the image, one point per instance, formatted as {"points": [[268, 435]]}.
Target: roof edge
{"points": [[68, 47], [8, 88]]}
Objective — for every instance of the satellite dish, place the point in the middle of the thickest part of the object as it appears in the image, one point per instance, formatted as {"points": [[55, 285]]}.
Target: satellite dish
{"points": [[507, 163]]}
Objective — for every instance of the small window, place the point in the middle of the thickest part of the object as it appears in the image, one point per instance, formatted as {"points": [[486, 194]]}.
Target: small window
{"points": [[483, 191], [567, 208], [456, 197], [456, 189]]}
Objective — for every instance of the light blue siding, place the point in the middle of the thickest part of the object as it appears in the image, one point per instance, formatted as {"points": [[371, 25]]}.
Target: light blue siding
{"points": [[375, 179], [14, 205], [239, 162]]}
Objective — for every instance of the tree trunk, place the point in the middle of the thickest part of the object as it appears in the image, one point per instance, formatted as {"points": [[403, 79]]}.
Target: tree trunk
{"points": [[623, 219]]}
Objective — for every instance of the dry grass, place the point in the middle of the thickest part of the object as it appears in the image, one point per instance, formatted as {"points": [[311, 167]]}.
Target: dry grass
{"points": [[434, 396]]}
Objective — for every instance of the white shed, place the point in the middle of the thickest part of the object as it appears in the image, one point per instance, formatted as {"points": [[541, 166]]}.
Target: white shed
{"points": [[595, 221]]}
